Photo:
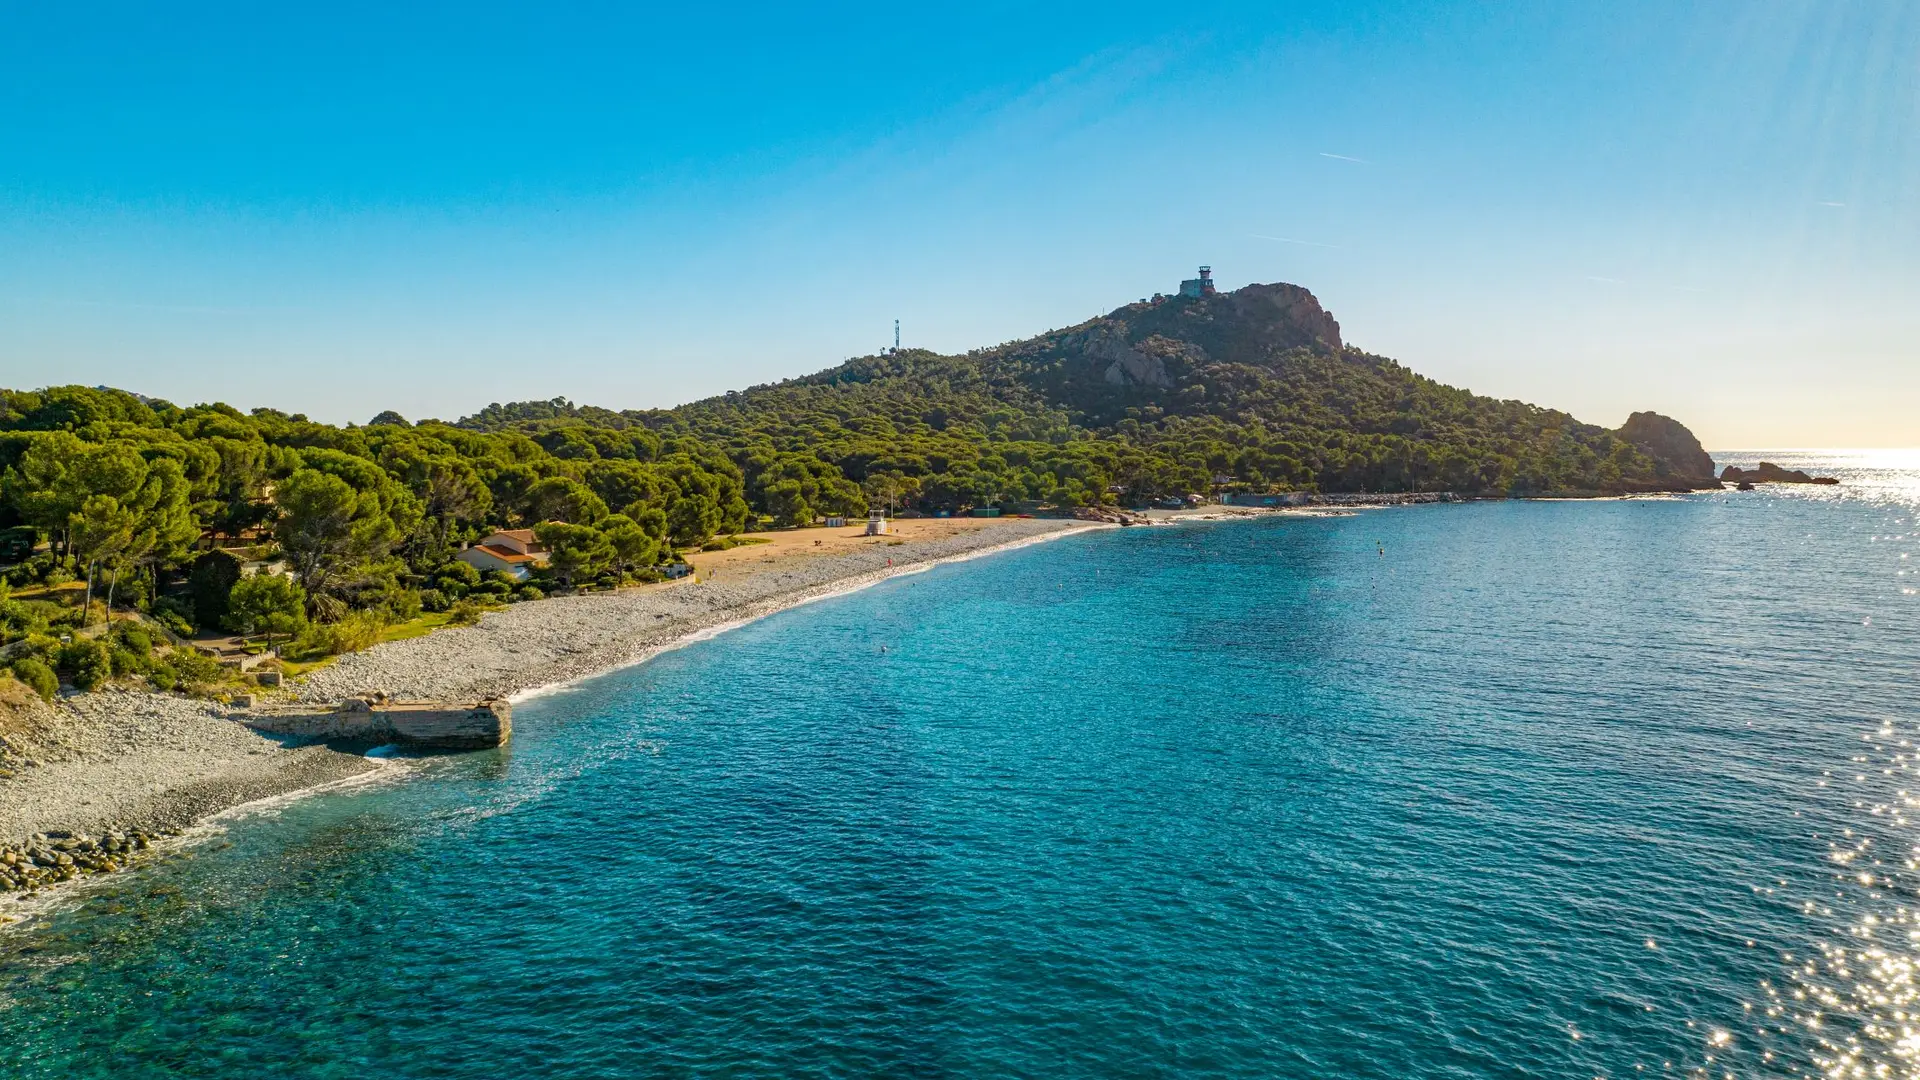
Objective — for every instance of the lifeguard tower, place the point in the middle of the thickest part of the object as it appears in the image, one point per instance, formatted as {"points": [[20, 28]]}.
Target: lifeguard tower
{"points": [[876, 523]]}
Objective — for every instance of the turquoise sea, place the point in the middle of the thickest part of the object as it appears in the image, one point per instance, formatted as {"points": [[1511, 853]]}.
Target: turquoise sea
{"points": [[1524, 789]]}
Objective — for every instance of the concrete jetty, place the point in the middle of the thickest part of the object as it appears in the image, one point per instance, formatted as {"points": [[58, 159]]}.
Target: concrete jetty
{"points": [[431, 724]]}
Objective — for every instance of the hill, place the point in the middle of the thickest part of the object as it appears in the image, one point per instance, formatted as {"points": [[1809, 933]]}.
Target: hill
{"points": [[1250, 389], [111, 496]]}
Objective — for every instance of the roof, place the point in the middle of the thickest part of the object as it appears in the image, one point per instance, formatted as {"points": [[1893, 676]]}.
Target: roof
{"points": [[504, 554], [525, 536]]}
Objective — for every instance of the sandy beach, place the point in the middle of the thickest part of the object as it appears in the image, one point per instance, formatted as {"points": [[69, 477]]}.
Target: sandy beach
{"points": [[118, 762]]}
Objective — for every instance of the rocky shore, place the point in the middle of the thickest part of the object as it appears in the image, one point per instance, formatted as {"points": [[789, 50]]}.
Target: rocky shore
{"points": [[98, 772], [50, 858], [91, 782]]}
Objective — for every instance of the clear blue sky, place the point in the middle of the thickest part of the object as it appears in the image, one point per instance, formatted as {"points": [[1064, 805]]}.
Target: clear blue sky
{"points": [[1708, 209]]}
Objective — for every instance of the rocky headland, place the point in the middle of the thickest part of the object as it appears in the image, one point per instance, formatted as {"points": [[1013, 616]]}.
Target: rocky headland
{"points": [[1676, 452]]}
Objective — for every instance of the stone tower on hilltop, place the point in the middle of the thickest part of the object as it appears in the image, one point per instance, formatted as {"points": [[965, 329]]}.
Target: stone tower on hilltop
{"points": [[1200, 286]]}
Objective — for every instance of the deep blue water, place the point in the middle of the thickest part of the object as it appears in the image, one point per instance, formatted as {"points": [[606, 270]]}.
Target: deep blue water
{"points": [[1491, 790]]}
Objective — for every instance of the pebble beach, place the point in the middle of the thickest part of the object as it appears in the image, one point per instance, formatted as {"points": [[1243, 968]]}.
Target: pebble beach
{"points": [[103, 774]]}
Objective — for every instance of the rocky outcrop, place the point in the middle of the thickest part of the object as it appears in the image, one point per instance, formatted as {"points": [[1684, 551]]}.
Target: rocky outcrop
{"points": [[1162, 344], [1769, 473], [1674, 450], [1106, 343], [1292, 314]]}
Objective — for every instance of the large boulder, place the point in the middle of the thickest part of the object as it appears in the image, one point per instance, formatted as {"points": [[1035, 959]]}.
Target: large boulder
{"points": [[1674, 450]]}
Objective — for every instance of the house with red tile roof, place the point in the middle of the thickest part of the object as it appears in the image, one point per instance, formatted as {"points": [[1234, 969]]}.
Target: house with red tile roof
{"points": [[515, 551]]}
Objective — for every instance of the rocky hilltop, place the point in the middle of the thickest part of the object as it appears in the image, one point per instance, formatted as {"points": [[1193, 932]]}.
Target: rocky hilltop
{"points": [[1255, 389]]}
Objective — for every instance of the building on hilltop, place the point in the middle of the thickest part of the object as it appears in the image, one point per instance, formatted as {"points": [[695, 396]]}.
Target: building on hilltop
{"points": [[1200, 286]]}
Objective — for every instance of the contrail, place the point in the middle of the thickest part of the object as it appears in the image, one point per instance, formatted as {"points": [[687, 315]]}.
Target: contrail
{"points": [[1343, 157], [1291, 240]]}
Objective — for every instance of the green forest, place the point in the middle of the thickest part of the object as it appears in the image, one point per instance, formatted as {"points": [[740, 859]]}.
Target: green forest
{"points": [[143, 505]]}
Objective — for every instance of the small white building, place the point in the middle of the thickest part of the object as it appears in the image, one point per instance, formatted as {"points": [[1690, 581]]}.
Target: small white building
{"points": [[876, 524], [512, 550]]}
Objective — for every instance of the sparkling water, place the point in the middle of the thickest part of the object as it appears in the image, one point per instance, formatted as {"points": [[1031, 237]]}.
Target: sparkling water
{"points": [[1529, 789]]}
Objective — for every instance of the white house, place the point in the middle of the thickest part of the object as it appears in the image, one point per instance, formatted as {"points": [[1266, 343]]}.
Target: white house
{"points": [[512, 550]]}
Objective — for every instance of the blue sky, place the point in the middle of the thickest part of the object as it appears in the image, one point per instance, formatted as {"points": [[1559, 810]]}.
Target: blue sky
{"points": [[1711, 209]]}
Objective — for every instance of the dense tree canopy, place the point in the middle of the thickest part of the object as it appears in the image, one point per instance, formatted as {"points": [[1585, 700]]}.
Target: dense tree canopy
{"points": [[1247, 391]]}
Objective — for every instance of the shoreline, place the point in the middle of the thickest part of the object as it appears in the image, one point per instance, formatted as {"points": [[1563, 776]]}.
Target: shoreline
{"points": [[173, 768], [842, 587]]}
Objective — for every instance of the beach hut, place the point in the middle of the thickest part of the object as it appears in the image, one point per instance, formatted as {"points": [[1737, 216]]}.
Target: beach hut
{"points": [[876, 524]]}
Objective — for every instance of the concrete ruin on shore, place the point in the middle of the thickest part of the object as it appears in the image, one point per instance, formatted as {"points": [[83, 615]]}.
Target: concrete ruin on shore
{"points": [[429, 724]]}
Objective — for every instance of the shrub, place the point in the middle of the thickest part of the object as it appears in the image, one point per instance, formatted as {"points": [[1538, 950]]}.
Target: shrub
{"points": [[125, 661], [162, 677], [85, 663], [133, 638], [194, 668], [464, 613], [433, 600], [403, 605], [174, 614], [456, 579], [36, 675], [528, 592], [358, 630], [45, 568], [40, 647]]}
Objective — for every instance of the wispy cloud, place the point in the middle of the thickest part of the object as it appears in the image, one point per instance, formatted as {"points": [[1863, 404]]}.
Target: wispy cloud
{"points": [[1605, 280], [1824, 202], [1343, 157], [1291, 240]]}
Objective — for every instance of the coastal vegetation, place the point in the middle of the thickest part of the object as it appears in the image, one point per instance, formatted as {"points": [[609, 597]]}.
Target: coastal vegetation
{"points": [[316, 539]]}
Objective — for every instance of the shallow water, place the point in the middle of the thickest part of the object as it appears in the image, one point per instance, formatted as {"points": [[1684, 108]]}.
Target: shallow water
{"points": [[1492, 790]]}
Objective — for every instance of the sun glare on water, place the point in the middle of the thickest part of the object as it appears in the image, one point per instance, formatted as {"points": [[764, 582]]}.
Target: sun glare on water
{"points": [[1857, 999]]}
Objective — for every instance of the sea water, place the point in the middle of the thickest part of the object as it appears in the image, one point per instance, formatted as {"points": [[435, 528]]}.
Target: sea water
{"points": [[1520, 789]]}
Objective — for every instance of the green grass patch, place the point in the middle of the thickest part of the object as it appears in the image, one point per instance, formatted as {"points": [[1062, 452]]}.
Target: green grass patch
{"points": [[413, 628], [724, 543]]}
